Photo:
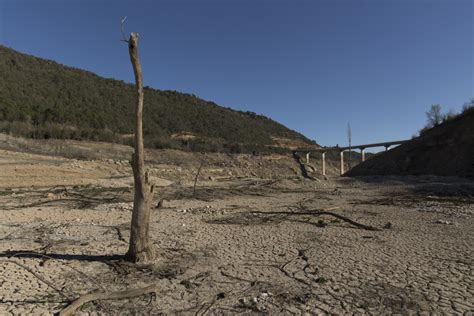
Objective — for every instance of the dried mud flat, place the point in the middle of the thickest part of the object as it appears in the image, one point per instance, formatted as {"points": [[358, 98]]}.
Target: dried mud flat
{"points": [[242, 245]]}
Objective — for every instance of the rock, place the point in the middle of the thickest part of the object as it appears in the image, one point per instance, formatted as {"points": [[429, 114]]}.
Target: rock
{"points": [[159, 204], [440, 221], [244, 302], [388, 225], [51, 196], [263, 296]]}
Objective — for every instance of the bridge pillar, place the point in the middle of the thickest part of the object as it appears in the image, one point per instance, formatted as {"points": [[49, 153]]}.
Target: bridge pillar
{"points": [[307, 157], [387, 147], [342, 162], [323, 157], [362, 154]]}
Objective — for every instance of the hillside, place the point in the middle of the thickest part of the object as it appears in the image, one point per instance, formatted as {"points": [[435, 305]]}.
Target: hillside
{"points": [[445, 150], [42, 99]]}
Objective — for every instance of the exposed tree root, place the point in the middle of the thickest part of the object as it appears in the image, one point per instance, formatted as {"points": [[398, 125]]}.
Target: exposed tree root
{"points": [[69, 310]]}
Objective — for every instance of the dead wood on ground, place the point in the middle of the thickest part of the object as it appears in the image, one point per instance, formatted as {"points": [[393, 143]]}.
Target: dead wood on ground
{"points": [[39, 277], [95, 296], [319, 213]]}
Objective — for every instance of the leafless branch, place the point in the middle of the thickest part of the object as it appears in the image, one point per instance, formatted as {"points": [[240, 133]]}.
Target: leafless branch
{"points": [[122, 27], [197, 176]]}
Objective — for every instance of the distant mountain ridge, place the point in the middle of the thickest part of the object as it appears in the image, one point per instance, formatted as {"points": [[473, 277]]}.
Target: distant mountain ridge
{"points": [[43, 99]]}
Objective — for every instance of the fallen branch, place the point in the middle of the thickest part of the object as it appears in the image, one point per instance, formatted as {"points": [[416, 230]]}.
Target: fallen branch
{"points": [[95, 296], [292, 275], [39, 277], [346, 219], [318, 213], [46, 257]]}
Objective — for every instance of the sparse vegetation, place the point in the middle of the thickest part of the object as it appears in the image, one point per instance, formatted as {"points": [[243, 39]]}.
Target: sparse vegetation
{"points": [[42, 99], [435, 117]]}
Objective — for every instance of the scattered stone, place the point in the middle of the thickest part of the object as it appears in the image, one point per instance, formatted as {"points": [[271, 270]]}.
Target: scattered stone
{"points": [[444, 222], [207, 209], [244, 302], [388, 225], [263, 296], [159, 204], [50, 196], [321, 223]]}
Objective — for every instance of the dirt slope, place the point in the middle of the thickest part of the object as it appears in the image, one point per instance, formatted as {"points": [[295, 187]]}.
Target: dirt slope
{"points": [[174, 165], [445, 150]]}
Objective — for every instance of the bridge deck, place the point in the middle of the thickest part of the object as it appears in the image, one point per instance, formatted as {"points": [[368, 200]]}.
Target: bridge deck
{"points": [[364, 146], [341, 150]]}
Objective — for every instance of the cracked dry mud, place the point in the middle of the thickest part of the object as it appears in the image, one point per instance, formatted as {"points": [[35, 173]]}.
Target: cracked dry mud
{"points": [[219, 253]]}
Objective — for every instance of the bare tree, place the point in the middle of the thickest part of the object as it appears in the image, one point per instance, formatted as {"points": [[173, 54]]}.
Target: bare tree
{"points": [[140, 248], [434, 116], [468, 105], [349, 138]]}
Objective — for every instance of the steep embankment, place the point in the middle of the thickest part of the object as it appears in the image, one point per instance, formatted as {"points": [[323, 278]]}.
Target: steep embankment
{"points": [[445, 150], [43, 99]]}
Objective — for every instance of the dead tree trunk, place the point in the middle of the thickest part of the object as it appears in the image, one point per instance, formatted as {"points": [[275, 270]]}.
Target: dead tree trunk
{"points": [[140, 249]]}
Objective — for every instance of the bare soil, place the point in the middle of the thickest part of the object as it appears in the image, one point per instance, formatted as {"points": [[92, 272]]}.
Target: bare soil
{"points": [[244, 241]]}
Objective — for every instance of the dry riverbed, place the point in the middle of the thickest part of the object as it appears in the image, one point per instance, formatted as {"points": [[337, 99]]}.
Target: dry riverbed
{"points": [[237, 245]]}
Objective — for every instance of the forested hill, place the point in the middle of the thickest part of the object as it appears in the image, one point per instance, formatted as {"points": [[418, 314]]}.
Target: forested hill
{"points": [[42, 99]]}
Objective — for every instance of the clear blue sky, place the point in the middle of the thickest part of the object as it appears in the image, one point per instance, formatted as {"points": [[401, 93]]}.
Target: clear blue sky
{"points": [[311, 65]]}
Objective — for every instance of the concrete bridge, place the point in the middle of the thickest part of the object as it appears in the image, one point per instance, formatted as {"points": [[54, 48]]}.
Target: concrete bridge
{"points": [[362, 148]]}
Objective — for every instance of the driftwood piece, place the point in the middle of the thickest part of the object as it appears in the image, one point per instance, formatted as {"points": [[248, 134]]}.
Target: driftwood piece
{"points": [[46, 257], [345, 219], [322, 212], [95, 296]]}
